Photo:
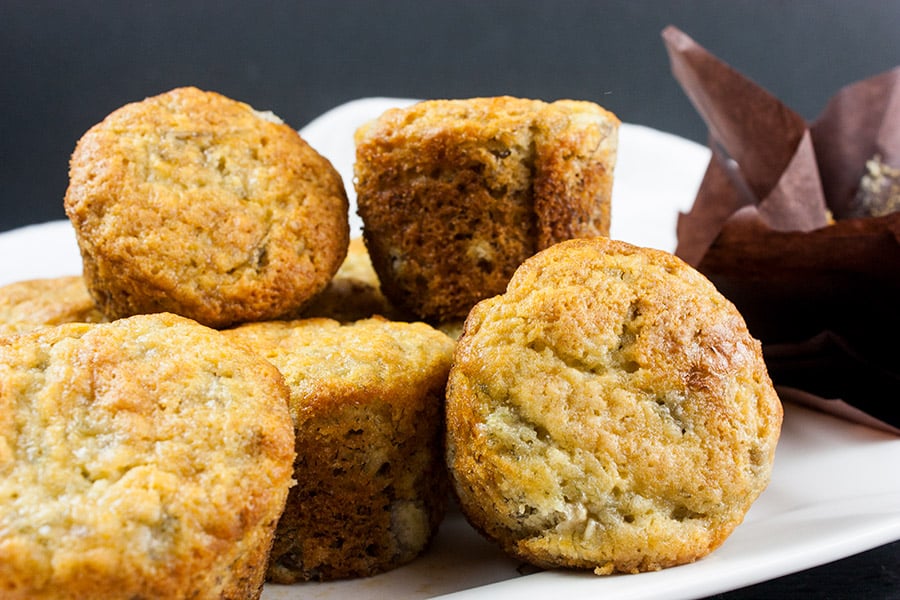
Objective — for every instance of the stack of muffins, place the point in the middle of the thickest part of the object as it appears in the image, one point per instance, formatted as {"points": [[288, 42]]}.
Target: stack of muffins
{"points": [[236, 392]]}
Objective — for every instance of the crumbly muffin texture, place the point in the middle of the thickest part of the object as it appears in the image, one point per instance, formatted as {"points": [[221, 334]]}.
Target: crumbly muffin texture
{"points": [[193, 203], [455, 194], [879, 190], [145, 458], [610, 411], [27, 305], [367, 404]]}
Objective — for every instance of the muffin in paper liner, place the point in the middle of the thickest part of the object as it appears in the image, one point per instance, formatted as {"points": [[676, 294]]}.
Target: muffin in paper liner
{"points": [[793, 222]]}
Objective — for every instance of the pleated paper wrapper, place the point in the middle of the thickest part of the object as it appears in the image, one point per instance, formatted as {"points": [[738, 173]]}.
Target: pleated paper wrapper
{"points": [[794, 222]]}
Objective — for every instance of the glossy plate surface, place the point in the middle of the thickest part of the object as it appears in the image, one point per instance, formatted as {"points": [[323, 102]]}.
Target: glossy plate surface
{"points": [[834, 491]]}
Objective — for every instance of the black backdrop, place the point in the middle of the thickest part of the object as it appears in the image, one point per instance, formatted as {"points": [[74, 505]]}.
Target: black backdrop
{"points": [[65, 65]]}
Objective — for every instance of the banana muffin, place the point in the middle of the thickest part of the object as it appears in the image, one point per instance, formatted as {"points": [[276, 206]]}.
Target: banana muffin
{"points": [[192, 203], [455, 194], [145, 458], [354, 293], [610, 411], [27, 305], [367, 404]]}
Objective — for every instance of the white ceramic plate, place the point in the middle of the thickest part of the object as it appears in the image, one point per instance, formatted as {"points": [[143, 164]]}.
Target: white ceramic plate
{"points": [[834, 490]]}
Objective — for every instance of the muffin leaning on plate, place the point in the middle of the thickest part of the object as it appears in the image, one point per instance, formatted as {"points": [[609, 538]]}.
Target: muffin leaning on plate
{"points": [[610, 411], [455, 194], [145, 458], [193, 203], [367, 404]]}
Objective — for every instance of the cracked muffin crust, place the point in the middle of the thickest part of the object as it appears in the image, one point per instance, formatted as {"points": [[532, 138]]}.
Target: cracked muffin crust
{"points": [[610, 411], [367, 404], [455, 194], [145, 458], [192, 203]]}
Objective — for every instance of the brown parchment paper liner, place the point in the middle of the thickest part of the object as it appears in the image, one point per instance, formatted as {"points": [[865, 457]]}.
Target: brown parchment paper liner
{"points": [[768, 227]]}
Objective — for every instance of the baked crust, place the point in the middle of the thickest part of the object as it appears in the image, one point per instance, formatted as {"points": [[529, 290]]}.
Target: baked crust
{"points": [[27, 305], [354, 293], [610, 411], [455, 194], [367, 403], [145, 458], [193, 203]]}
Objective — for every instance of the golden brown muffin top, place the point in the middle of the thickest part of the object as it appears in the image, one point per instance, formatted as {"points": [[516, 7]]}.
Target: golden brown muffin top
{"points": [[137, 459], [494, 115], [610, 411], [327, 363], [194, 203], [27, 305]]}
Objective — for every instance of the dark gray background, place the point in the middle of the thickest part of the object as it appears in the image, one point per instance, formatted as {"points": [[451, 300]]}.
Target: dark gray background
{"points": [[65, 65]]}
